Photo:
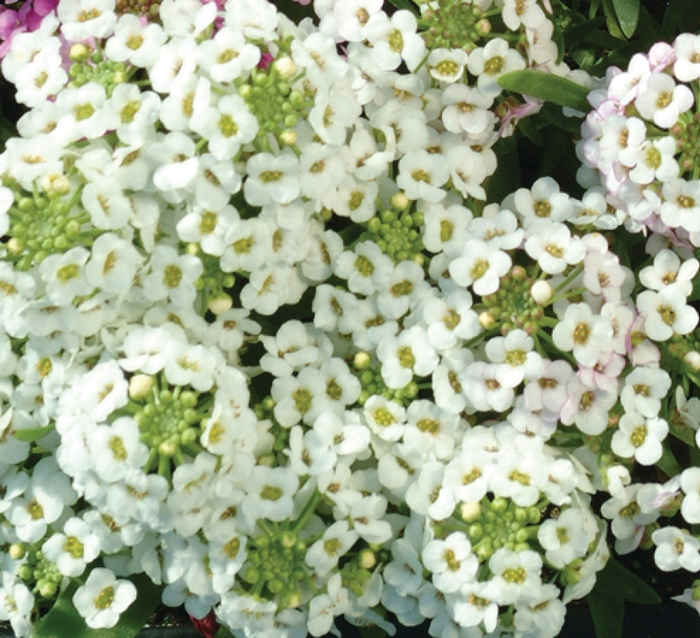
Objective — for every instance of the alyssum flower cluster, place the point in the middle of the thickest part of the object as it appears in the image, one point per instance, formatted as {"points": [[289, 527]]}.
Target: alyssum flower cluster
{"points": [[264, 342]]}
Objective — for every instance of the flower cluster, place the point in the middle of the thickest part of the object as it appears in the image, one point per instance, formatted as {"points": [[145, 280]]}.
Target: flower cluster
{"points": [[264, 341]]}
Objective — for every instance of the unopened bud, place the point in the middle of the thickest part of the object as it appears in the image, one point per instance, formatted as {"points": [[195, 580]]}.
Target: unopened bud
{"points": [[286, 67], [486, 320], [220, 304], [362, 361], [80, 52], [470, 511], [140, 385], [17, 551], [400, 201], [692, 358], [367, 559], [541, 292], [55, 184], [288, 137]]}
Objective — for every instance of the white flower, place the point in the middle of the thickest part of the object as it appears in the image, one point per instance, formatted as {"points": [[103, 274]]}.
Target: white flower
{"points": [[667, 269], [666, 313], [480, 266], [406, 355], [72, 549], [102, 599], [269, 493], [492, 61], [687, 48], [85, 18], [64, 275], [451, 562], [662, 101], [517, 575], [272, 178], [134, 42], [325, 553], [681, 205], [421, 174], [172, 276], [582, 332], [676, 549], [564, 538], [447, 65]]}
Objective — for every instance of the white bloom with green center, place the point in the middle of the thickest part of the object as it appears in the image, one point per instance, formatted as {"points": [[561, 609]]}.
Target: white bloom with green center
{"points": [[64, 275], [517, 575], [113, 264], [428, 495], [644, 389], [676, 549], [227, 126], [406, 355], [72, 549], [447, 65], [173, 276], [667, 269], [422, 174], [394, 39], [109, 208], [492, 61], [272, 179], [103, 598], [269, 494], [177, 163], [16, 604], [662, 100], [325, 553], [445, 229], [355, 198], [451, 562], [135, 43], [480, 267], [585, 334], [132, 112], [116, 448], [365, 268], [654, 161], [42, 77], [666, 312], [564, 538], [227, 55], [516, 356], [543, 616], [552, 245], [85, 116], [640, 437]]}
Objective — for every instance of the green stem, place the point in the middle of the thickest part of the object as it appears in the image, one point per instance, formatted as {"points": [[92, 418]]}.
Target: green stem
{"points": [[309, 508]]}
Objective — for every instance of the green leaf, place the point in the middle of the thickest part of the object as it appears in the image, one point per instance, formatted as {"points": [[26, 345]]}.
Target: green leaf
{"points": [[371, 632], [611, 19], [618, 581], [627, 12], [64, 621], [580, 32], [32, 434], [547, 87], [680, 15], [608, 614], [222, 632]]}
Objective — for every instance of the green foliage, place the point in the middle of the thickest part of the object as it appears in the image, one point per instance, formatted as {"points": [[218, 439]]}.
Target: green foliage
{"points": [[547, 87]]}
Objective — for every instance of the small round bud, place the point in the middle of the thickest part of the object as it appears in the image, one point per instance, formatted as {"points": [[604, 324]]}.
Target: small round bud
{"points": [[79, 52], [541, 292], [288, 539], [15, 246], [362, 361], [55, 184], [367, 559], [17, 551], [140, 385], [167, 448], [400, 201], [286, 67], [47, 589], [486, 320], [692, 359], [288, 137], [220, 304], [470, 511]]}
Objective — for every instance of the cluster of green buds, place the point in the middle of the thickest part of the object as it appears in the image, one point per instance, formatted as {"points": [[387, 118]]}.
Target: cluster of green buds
{"points": [[497, 522], [170, 420], [397, 232], [276, 567], [270, 97], [40, 574], [371, 381], [682, 351], [454, 24], [514, 305], [687, 135], [89, 65], [45, 222]]}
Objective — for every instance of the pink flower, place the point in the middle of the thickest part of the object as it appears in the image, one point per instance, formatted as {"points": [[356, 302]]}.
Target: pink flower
{"points": [[28, 18]]}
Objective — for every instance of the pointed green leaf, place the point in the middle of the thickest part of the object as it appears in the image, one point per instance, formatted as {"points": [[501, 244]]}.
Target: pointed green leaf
{"points": [[64, 621], [547, 87], [616, 580], [611, 19], [627, 12], [30, 435], [608, 614]]}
